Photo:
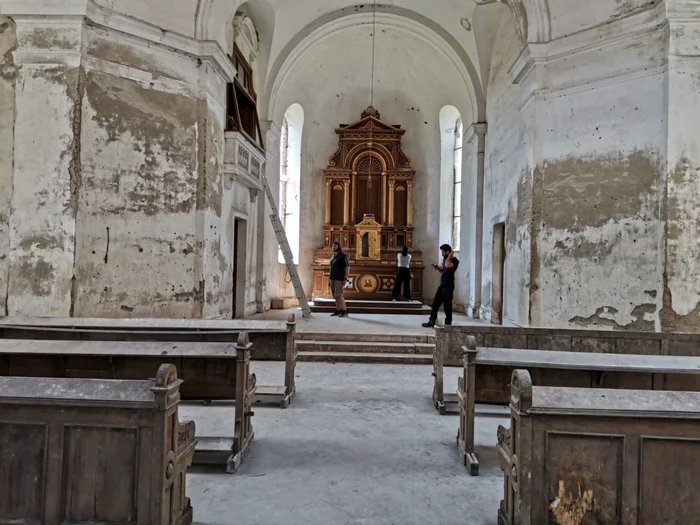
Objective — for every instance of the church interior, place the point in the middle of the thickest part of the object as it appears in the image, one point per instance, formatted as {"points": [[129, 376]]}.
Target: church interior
{"points": [[181, 342]]}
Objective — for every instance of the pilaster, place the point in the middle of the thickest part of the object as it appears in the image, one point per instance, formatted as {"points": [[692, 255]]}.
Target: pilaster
{"points": [[681, 304], [473, 205], [47, 169]]}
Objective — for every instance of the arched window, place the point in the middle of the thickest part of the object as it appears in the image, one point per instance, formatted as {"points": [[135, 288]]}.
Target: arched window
{"points": [[451, 134], [457, 186], [290, 176]]}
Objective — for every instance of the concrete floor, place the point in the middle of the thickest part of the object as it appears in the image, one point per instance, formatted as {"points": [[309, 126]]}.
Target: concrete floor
{"points": [[360, 444], [364, 323]]}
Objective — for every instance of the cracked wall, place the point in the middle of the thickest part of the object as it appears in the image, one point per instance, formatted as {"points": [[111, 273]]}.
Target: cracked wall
{"points": [[143, 190], [8, 75], [45, 179]]}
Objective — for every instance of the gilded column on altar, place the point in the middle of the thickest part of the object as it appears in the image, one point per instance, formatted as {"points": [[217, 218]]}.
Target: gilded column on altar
{"points": [[392, 188], [409, 207], [346, 202]]}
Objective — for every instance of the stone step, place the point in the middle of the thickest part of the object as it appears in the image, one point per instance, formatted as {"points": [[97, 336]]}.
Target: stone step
{"points": [[366, 338], [371, 347], [357, 303], [358, 357], [386, 310]]}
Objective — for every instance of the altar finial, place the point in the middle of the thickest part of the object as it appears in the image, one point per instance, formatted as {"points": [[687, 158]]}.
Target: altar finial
{"points": [[371, 112]]}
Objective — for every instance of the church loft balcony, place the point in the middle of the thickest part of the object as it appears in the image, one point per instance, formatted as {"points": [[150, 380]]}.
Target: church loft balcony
{"points": [[244, 161]]}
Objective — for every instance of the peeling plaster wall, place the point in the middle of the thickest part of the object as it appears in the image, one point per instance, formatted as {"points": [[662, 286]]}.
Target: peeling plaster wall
{"points": [[144, 195], [598, 189], [507, 179], [46, 174], [333, 91], [682, 284], [8, 75]]}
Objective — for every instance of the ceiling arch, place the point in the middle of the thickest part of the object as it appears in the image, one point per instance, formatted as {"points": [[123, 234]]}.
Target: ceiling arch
{"points": [[322, 28]]}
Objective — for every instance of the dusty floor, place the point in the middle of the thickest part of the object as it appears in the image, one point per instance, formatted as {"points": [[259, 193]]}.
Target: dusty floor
{"points": [[360, 444], [364, 323]]}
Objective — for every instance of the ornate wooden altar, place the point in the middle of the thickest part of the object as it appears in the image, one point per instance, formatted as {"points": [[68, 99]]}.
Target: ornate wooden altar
{"points": [[369, 210]]}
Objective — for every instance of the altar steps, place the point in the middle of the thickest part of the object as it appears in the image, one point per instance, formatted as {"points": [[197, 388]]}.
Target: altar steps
{"points": [[356, 306], [365, 348]]}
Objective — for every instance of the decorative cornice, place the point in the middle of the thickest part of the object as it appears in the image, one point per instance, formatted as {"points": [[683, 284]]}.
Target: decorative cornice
{"points": [[522, 65], [18, 8], [682, 10], [600, 37], [273, 130], [61, 12], [476, 130]]}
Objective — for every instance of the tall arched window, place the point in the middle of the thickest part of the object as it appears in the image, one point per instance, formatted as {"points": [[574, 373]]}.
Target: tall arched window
{"points": [[290, 176], [457, 186], [451, 133]]}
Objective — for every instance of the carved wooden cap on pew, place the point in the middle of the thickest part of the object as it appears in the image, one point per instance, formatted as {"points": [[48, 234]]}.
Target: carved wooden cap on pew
{"points": [[167, 386], [521, 390]]}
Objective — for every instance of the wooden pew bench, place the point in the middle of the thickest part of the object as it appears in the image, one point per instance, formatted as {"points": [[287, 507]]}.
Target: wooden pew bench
{"points": [[88, 451], [599, 456], [210, 371], [550, 368], [493, 383], [272, 340]]}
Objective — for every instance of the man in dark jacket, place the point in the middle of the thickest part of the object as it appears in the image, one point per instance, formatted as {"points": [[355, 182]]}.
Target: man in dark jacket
{"points": [[446, 290], [340, 272]]}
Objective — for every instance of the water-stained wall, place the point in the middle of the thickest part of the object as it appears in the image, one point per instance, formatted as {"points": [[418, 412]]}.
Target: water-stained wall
{"points": [[8, 75], [150, 197]]}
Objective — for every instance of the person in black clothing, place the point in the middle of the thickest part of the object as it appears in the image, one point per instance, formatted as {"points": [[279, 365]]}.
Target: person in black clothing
{"points": [[340, 271], [403, 275], [447, 286]]}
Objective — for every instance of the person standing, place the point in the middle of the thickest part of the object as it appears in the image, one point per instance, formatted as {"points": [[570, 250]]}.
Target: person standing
{"points": [[340, 272], [445, 291], [403, 275]]}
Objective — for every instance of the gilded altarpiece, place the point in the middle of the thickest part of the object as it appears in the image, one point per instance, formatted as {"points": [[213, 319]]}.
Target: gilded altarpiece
{"points": [[369, 210]]}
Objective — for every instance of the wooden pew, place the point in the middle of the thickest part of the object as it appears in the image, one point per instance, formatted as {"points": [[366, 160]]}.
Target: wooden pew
{"points": [[88, 451], [493, 383], [211, 371], [580, 456], [272, 340], [550, 368]]}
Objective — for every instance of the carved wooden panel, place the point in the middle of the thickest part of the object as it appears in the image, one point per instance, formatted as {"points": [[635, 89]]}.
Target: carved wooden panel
{"points": [[668, 491], [400, 205], [337, 198], [93, 458], [23, 465]]}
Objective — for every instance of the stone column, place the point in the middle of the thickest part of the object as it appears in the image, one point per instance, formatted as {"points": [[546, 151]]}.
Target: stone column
{"points": [[392, 188], [681, 301], [329, 183], [409, 203], [46, 175], [346, 202], [473, 208]]}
